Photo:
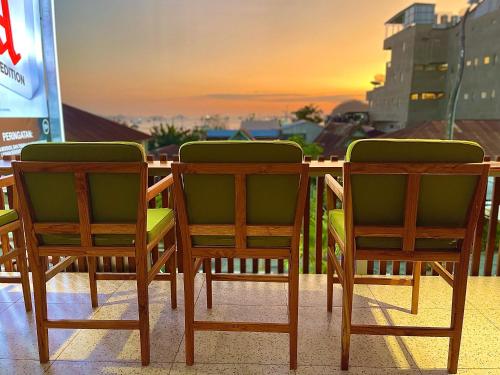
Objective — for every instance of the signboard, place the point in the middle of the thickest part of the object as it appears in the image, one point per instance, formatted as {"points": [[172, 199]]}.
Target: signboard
{"points": [[26, 42]]}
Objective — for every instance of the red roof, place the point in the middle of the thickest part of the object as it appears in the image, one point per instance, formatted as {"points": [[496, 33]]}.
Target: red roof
{"points": [[484, 132], [82, 126]]}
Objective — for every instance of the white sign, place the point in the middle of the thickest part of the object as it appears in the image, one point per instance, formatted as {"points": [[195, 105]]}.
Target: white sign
{"points": [[22, 89]]}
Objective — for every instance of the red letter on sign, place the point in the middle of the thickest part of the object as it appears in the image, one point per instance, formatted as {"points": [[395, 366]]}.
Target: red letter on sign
{"points": [[8, 45]]}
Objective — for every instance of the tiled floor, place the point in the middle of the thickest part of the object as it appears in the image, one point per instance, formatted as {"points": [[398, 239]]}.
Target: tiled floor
{"points": [[117, 352]]}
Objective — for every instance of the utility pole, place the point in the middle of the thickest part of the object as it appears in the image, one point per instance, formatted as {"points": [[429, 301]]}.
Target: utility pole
{"points": [[454, 95]]}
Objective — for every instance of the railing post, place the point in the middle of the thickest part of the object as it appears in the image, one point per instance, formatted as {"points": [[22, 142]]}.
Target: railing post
{"points": [[492, 226], [320, 189], [478, 239], [307, 219]]}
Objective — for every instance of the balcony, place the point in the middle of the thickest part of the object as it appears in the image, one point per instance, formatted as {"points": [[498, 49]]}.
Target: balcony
{"points": [[111, 352]]}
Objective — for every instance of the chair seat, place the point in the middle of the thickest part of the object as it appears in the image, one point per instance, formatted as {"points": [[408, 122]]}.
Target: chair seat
{"points": [[8, 216], [336, 221], [157, 220]]}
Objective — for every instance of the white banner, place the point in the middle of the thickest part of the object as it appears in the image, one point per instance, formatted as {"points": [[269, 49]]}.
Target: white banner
{"points": [[22, 88]]}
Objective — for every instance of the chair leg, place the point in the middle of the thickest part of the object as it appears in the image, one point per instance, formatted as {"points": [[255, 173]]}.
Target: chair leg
{"points": [[92, 263], [38, 267], [329, 277], [293, 306], [347, 296], [207, 263], [173, 281], [143, 302], [415, 289], [22, 267], [189, 307], [457, 313]]}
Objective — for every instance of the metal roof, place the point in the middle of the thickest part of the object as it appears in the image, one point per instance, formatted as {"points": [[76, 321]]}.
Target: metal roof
{"points": [[84, 126]]}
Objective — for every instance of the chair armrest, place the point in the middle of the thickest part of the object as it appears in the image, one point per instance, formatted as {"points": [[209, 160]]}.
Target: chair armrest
{"points": [[6, 181], [161, 185], [335, 187]]}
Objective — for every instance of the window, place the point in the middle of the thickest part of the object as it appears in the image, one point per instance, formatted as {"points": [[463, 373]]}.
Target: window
{"points": [[419, 67], [468, 63], [443, 67], [430, 68], [476, 61], [484, 95], [493, 94], [466, 96], [432, 95], [414, 96], [486, 60]]}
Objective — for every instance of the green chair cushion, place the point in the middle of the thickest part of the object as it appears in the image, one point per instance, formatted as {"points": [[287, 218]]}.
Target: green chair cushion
{"points": [[157, 220], [271, 199], [380, 199], [336, 220], [8, 216], [113, 197]]}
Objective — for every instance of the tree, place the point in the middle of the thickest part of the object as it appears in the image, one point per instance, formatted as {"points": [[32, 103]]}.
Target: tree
{"points": [[168, 134], [309, 113], [310, 149]]}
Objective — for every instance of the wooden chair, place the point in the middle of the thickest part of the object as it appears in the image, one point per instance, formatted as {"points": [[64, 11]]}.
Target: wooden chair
{"points": [[10, 223], [90, 200], [240, 200], [405, 200]]}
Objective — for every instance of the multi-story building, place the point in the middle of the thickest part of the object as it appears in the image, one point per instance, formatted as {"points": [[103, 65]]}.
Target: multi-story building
{"points": [[424, 67]]}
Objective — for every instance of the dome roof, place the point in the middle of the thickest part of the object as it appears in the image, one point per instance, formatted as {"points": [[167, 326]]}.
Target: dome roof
{"points": [[350, 106]]}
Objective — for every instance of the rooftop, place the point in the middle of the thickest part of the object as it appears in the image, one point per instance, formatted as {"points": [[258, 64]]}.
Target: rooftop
{"points": [[484, 132], [111, 352], [83, 126]]}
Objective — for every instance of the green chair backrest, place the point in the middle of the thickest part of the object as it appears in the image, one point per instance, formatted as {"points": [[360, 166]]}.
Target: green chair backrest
{"points": [[113, 196], [271, 199], [444, 201]]}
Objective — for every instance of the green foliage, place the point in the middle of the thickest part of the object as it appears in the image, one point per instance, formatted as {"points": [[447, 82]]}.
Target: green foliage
{"points": [[168, 134], [309, 113], [310, 149]]}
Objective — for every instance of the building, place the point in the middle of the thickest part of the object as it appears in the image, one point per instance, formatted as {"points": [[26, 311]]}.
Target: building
{"points": [[336, 137], [484, 132], [424, 67], [82, 126], [262, 129], [306, 129], [228, 134]]}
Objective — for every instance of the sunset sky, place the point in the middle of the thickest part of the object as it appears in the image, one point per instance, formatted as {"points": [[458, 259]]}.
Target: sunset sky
{"points": [[234, 57]]}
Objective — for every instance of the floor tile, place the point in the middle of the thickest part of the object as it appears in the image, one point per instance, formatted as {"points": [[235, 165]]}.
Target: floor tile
{"points": [[493, 315], [22, 367], [10, 293], [483, 292], [331, 370], [247, 293], [316, 296], [5, 305], [470, 371], [229, 369], [24, 346], [166, 331], [111, 368], [476, 351], [159, 291], [434, 293], [238, 347]]}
